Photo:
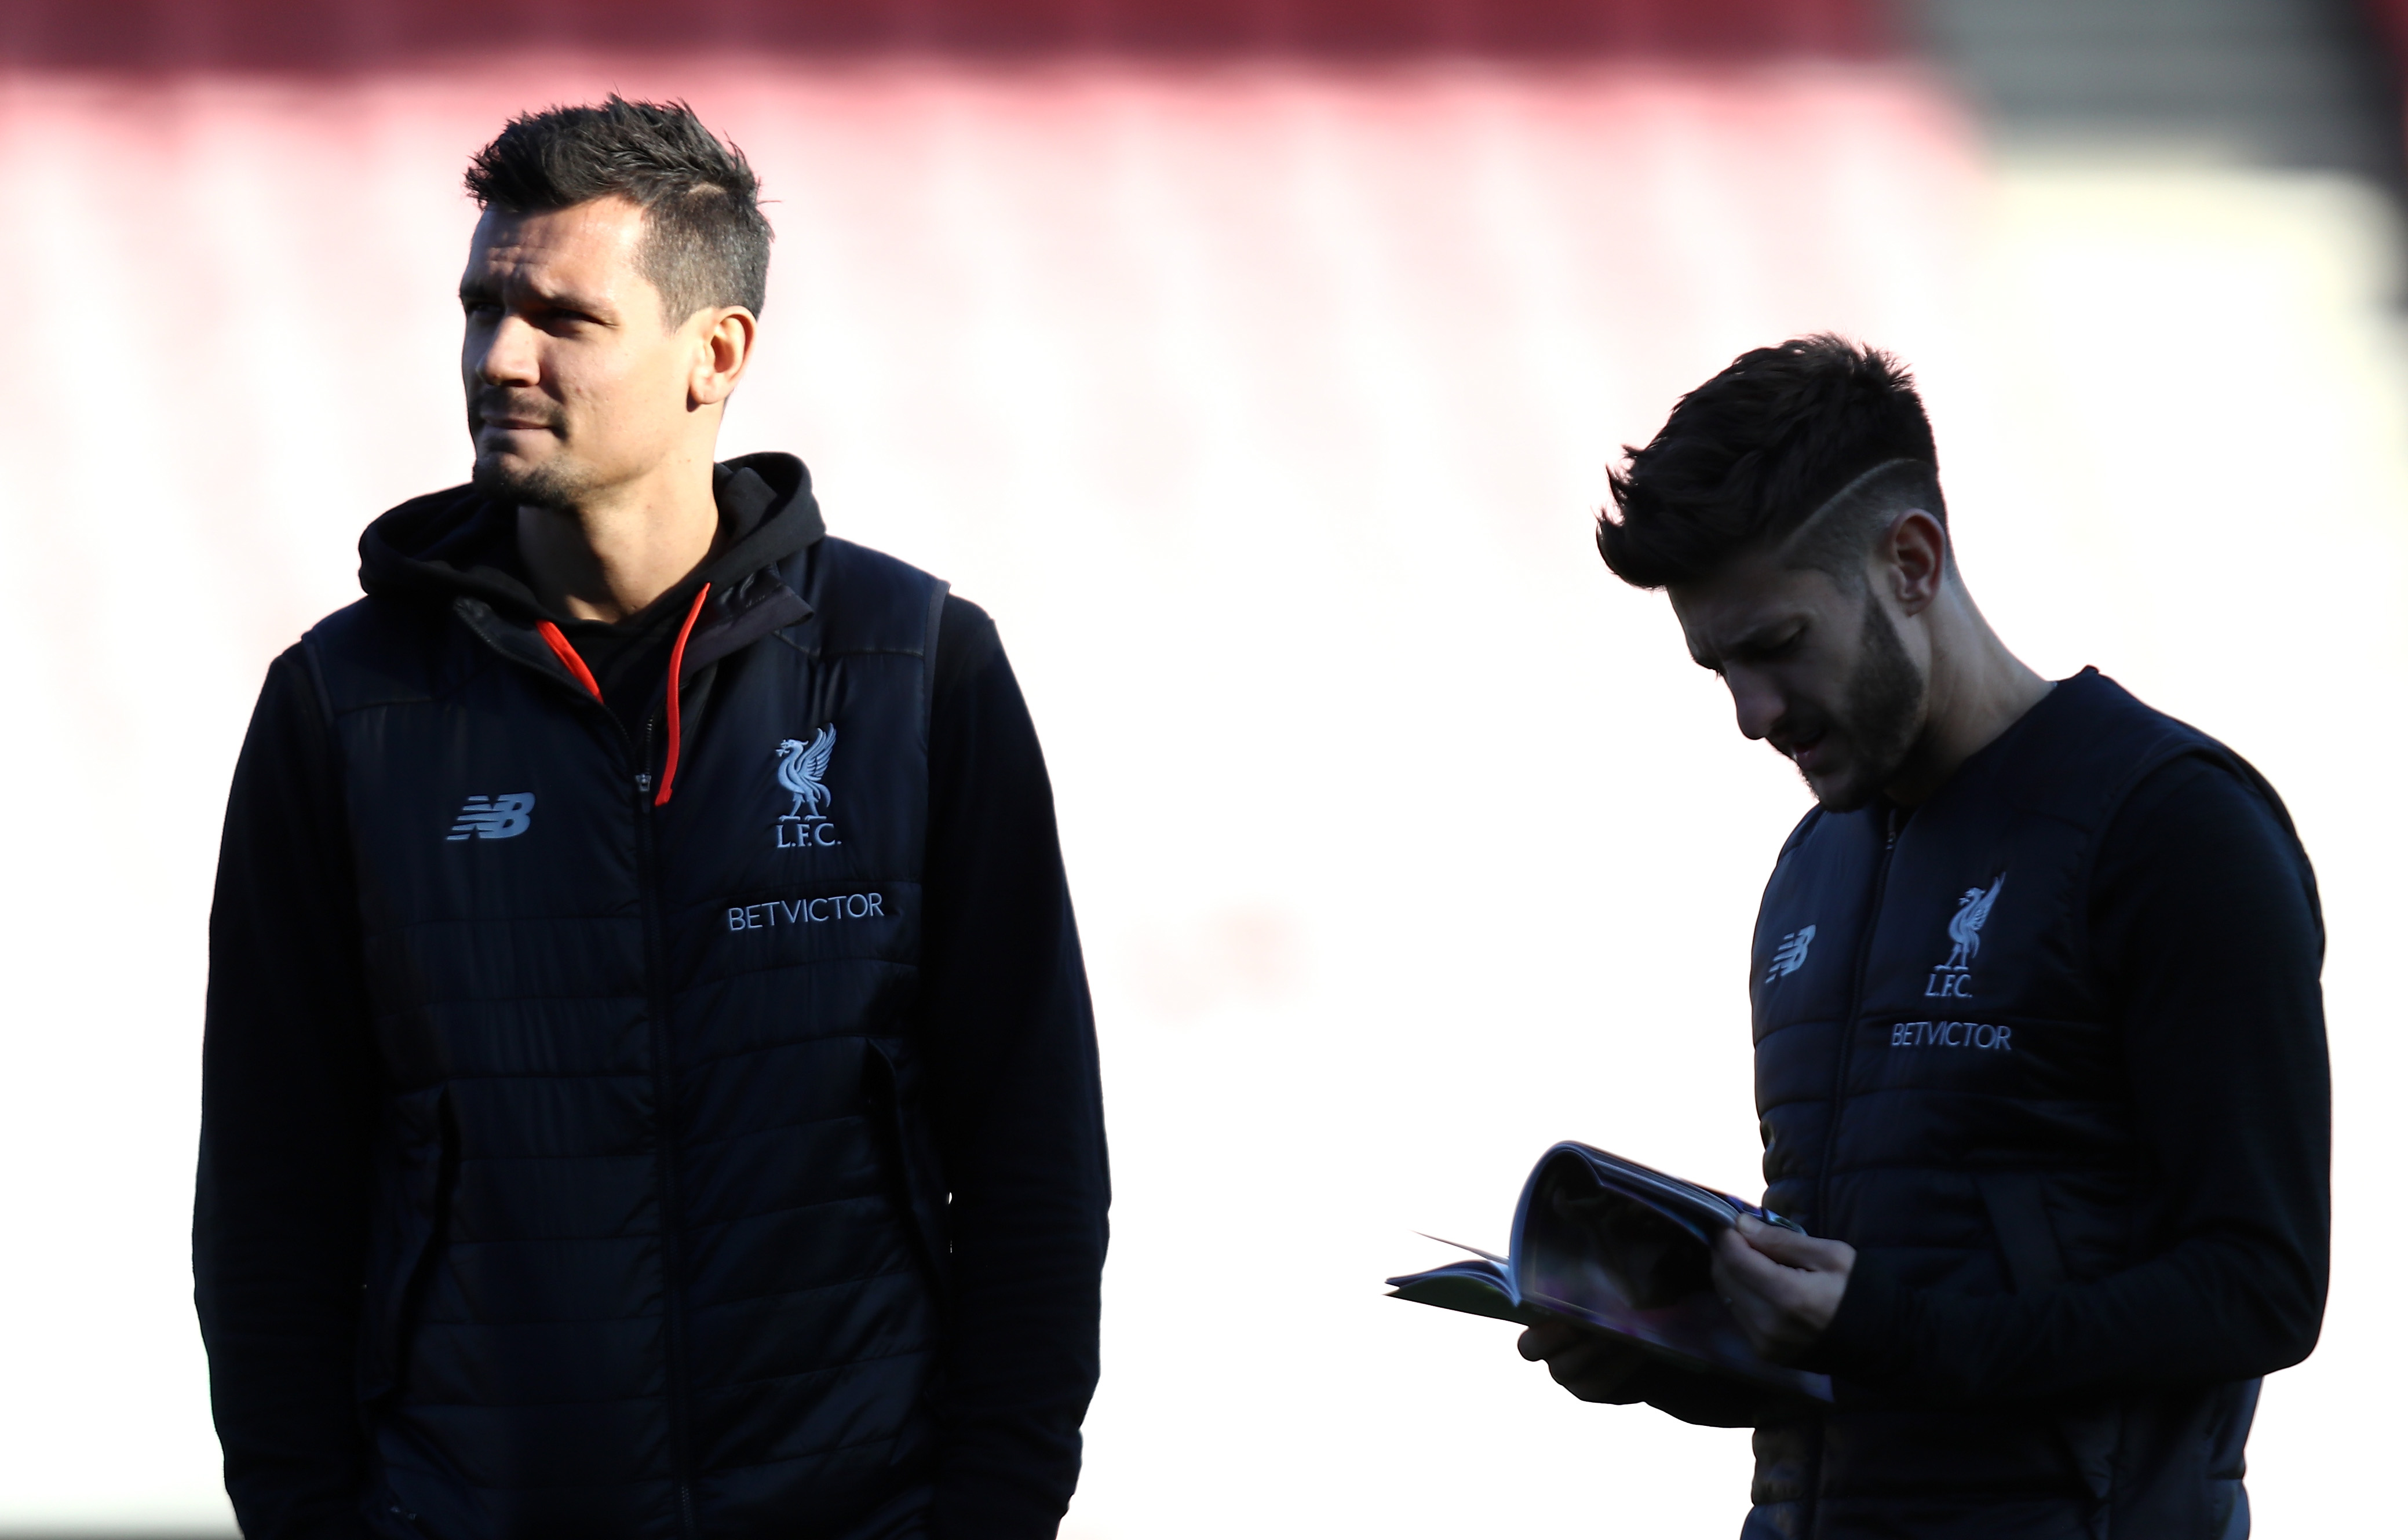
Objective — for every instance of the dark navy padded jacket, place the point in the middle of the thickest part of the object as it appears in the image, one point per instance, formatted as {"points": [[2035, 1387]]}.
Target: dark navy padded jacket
{"points": [[657, 1237], [1944, 1083]]}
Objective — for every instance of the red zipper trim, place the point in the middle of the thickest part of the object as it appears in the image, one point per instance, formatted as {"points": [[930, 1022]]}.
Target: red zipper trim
{"points": [[568, 654], [677, 667]]}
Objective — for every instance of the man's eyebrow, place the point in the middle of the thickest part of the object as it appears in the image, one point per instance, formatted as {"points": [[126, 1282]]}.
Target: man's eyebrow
{"points": [[486, 286], [1754, 640]]}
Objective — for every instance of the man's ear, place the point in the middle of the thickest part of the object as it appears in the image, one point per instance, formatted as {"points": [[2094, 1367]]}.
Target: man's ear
{"points": [[1912, 560], [727, 336]]}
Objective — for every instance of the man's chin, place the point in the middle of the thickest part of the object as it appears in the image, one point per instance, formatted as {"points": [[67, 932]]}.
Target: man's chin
{"points": [[507, 479], [1840, 789]]}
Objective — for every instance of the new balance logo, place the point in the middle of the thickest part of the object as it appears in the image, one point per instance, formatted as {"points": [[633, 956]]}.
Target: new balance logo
{"points": [[500, 817], [1790, 955]]}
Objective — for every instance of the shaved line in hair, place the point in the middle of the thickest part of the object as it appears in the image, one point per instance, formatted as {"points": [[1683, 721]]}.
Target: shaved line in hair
{"points": [[1835, 536]]}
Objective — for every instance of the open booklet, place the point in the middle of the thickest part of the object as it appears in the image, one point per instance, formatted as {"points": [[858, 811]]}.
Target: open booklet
{"points": [[1609, 1244]]}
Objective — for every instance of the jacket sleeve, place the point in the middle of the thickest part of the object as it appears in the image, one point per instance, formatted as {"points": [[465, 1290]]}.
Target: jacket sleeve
{"points": [[2206, 934], [280, 1196], [1019, 1115]]}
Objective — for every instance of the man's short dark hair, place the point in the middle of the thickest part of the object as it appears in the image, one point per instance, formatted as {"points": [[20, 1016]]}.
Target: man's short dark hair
{"points": [[705, 241], [1777, 439]]}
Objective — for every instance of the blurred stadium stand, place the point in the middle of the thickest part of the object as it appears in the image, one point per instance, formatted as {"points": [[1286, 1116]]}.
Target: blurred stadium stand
{"points": [[309, 34], [2289, 84]]}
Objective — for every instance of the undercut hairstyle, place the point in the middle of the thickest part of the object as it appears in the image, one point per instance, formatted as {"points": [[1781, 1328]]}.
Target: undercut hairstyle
{"points": [[705, 241], [1812, 448]]}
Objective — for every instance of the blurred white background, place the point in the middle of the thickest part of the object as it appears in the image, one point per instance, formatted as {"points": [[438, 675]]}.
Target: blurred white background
{"points": [[1267, 408]]}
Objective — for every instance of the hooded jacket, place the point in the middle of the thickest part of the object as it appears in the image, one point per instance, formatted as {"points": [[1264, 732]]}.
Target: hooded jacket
{"points": [[666, 1108]]}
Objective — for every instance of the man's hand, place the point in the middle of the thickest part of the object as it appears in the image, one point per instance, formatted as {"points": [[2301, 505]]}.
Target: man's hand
{"points": [[1590, 1364], [1785, 1287]]}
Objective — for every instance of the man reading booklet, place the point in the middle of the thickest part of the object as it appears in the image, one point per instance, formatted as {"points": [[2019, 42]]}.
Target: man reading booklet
{"points": [[2040, 1050], [1605, 1246]]}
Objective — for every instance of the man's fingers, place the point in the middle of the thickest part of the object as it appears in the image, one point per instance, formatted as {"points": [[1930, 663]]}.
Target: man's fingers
{"points": [[1783, 1287], [1598, 1369], [1590, 1364], [1547, 1339], [1748, 1267], [1791, 1249]]}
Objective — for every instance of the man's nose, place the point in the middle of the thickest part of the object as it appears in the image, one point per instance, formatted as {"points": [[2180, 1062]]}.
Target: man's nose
{"points": [[509, 355], [1758, 705]]}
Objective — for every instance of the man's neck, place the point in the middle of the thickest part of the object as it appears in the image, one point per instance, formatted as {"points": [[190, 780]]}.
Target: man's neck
{"points": [[611, 556], [1977, 691]]}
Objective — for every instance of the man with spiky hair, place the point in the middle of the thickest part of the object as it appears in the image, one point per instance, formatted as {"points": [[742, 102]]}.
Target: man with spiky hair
{"points": [[2039, 1038], [650, 1087]]}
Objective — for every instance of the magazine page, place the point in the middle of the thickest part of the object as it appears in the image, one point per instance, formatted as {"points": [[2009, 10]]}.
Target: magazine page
{"points": [[1476, 1288], [1626, 1249]]}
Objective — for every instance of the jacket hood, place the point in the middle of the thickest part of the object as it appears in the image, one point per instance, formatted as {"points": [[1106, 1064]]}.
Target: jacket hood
{"points": [[459, 543]]}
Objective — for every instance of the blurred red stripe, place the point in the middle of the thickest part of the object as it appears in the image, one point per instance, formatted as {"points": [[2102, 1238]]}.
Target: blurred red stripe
{"points": [[315, 35]]}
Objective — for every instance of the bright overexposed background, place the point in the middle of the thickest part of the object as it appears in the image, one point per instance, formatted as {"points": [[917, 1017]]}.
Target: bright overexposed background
{"points": [[1267, 406]]}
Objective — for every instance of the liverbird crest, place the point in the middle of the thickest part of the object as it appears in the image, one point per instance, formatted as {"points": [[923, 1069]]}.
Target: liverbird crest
{"points": [[1964, 926], [802, 770]]}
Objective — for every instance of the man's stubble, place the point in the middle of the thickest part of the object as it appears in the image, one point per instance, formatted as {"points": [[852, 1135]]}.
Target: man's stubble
{"points": [[555, 483], [1884, 709], [550, 486]]}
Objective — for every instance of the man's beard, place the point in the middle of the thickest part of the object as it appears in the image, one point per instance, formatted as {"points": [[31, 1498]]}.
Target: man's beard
{"points": [[548, 485], [1882, 714]]}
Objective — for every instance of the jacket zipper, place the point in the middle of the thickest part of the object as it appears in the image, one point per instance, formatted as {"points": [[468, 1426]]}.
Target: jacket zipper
{"points": [[673, 1313], [647, 880], [1838, 1090]]}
